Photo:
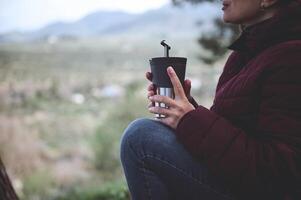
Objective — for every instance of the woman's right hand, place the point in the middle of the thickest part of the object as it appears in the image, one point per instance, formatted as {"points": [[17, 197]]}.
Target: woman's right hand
{"points": [[151, 89]]}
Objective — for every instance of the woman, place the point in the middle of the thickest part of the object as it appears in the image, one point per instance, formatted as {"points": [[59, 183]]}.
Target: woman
{"points": [[248, 145]]}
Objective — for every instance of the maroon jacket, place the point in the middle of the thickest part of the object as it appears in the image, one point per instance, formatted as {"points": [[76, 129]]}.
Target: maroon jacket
{"points": [[251, 136]]}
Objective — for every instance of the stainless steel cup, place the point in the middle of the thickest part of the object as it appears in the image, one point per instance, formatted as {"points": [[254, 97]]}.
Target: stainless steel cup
{"points": [[169, 92]]}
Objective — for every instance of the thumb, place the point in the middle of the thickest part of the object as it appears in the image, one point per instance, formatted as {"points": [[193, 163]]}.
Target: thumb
{"points": [[187, 87]]}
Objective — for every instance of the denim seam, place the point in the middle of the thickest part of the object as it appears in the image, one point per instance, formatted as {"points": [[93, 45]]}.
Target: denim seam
{"points": [[187, 174], [147, 185]]}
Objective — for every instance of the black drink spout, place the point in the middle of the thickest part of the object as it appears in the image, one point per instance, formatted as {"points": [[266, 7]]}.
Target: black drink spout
{"points": [[166, 48]]}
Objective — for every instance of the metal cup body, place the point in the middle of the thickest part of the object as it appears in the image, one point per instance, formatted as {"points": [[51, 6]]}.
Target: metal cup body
{"points": [[169, 92]]}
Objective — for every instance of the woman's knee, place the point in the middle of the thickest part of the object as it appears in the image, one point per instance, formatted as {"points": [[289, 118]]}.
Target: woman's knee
{"points": [[147, 134], [136, 130], [133, 135]]}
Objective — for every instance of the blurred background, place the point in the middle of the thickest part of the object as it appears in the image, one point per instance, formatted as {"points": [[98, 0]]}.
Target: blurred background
{"points": [[72, 77]]}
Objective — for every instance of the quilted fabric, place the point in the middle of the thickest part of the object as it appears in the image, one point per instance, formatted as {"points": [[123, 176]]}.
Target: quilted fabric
{"points": [[251, 136]]}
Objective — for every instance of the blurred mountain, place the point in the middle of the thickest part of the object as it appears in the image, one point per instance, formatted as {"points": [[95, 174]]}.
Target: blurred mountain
{"points": [[175, 21]]}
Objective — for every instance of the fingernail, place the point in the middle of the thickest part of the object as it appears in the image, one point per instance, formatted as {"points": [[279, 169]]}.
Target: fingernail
{"points": [[170, 69]]}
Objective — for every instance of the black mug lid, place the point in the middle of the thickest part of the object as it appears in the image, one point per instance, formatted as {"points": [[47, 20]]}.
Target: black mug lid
{"points": [[159, 67]]}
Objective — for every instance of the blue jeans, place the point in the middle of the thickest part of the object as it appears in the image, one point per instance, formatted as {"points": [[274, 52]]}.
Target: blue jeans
{"points": [[157, 166]]}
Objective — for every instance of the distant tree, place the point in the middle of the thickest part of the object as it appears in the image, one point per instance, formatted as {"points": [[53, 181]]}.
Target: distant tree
{"points": [[217, 41], [7, 192]]}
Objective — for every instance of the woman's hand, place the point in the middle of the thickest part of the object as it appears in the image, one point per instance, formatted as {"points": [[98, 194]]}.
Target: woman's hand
{"points": [[177, 107], [151, 89]]}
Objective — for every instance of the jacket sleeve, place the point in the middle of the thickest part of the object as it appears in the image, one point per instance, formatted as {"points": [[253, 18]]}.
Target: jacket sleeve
{"points": [[253, 163]]}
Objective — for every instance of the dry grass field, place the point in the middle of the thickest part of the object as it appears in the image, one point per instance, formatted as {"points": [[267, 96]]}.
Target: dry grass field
{"points": [[65, 103]]}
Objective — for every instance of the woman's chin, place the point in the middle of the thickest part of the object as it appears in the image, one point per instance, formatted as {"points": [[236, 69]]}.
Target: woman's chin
{"points": [[229, 19], [226, 19]]}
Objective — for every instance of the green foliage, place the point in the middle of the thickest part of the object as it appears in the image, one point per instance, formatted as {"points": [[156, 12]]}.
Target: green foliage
{"points": [[217, 41], [110, 191], [107, 136], [38, 185]]}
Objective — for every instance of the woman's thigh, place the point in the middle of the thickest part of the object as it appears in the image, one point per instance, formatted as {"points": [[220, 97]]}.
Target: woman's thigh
{"points": [[160, 152]]}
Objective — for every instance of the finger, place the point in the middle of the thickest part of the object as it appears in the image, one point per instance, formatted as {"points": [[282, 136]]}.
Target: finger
{"points": [[151, 104], [163, 99], [150, 93], [178, 89], [187, 87], [149, 76], [165, 120], [160, 110], [151, 87]]}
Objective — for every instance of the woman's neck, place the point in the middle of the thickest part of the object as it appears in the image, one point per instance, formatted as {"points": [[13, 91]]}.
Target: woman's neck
{"points": [[266, 14]]}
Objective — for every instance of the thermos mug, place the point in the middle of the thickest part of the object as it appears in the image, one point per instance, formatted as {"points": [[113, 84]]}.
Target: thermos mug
{"points": [[161, 79]]}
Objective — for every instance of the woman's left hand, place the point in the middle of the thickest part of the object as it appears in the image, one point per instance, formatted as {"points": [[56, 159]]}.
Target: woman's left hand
{"points": [[177, 107]]}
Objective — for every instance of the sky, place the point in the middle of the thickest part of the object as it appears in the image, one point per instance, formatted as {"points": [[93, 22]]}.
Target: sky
{"points": [[24, 15]]}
